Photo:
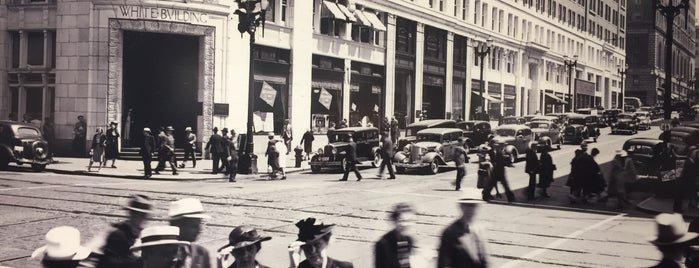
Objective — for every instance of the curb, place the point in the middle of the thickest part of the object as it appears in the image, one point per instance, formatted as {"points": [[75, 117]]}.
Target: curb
{"points": [[168, 178], [640, 207]]}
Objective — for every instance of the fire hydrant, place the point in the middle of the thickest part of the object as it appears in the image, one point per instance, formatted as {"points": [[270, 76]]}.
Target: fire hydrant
{"points": [[298, 153]]}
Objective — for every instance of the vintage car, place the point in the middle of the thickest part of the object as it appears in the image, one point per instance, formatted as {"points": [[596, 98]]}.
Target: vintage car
{"points": [[610, 115], [581, 127], [547, 118], [682, 138], [512, 120], [334, 153], [562, 117], [434, 147], [475, 132], [412, 129], [22, 143], [515, 140], [549, 129], [643, 120], [626, 122], [647, 154], [528, 118]]}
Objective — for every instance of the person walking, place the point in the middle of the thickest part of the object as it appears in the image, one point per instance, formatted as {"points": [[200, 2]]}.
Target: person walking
{"points": [[394, 248], [307, 142], [622, 171], [351, 160], [460, 160], [116, 251], [188, 214], [167, 150], [112, 144], [686, 182], [159, 145], [498, 175], [189, 147], [577, 173], [546, 169], [216, 146], [531, 167], [232, 167], [461, 244], [244, 242], [387, 151], [97, 149], [672, 240], [595, 185], [79, 135], [272, 154], [62, 249], [485, 170], [226, 152], [49, 131], [314, 240], [146, 152], [159, 247], [287, 135]]}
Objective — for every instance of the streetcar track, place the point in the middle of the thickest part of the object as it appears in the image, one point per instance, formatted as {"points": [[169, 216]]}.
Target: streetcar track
{"points": [[490, 241], [31, 221], [513, 258], [558, 236]]}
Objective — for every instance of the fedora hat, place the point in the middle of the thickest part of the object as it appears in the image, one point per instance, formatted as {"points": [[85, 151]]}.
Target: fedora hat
{"points": [[187, 208], [146, 129], [139, 203], [113, 123], [62, 243], [188, 129], [309, 231], [159, 235], [622, 153], [671, 230], [243, 236], [169, 128], [470, 196]]}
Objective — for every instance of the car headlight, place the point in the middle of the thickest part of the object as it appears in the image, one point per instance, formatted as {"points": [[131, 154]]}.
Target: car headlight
{"points": [[614, 124], [423, 151], [18, 148], [406, 149], [632, 124], [334, 151]]}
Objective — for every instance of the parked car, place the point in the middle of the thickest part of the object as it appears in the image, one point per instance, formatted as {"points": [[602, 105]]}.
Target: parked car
{"points": [[610, 115], [587, 111], [529, 117], [626, 122], [334, 153], [512, 120], [515, 140], [681, 138], [412, 129], [475, 132], [547, 129], [546, 118], [562, 117], [581, 127], [22, 143], [647, 154], [643, 120], [434, 147]]}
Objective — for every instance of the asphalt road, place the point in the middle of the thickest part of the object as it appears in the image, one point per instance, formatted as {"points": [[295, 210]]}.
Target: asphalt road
{"points": [[541, 233]]}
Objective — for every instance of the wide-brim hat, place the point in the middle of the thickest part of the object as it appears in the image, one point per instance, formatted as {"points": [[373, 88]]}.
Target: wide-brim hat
{"points": [[139, 203], [671, 230], [62, 243], [583, 144], [310, 232], [169, 128], [243, 236], [187, 208], [146, 129], [188, 129], [159, 235]]}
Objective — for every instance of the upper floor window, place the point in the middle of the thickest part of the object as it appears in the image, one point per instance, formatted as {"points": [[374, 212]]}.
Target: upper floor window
{"points": [[33, 48]]}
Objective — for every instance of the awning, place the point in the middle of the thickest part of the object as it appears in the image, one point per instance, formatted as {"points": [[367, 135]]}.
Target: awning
{"points": [[333, 11], [675, 96], [555, 98], [361, 18], [375, 21], [487, 97], [348, 14]]}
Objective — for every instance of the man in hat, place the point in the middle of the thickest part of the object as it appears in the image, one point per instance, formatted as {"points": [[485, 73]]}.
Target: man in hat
{"points": [[189, 148], [216, 147], [167, 150], [146, 152], [244, 242], [111, 148], [462, 245], [672, 240], [232, 153], [226, 152], [531, 167], [159, 246], [498, 174], [314, 241], [62, 249], [188, 214], [387, 152], [460, 160], [351, 160], [79, 135], [116, 252], [577, 173], [393, 250]]}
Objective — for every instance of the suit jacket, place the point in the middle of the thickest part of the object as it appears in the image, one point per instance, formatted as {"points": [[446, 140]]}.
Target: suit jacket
{"points": [[352, 152], [194, 256], [116, 252], [148, 145], [461, 247], [331, 264], [216, 144], [386, 250], [387, 150], [532, 164]]}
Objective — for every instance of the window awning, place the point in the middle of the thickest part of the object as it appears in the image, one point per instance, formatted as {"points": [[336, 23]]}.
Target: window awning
{"points": [[331, 10], [487, 97], [375, 21], [555, 98], [361, 18], [348, 14]]}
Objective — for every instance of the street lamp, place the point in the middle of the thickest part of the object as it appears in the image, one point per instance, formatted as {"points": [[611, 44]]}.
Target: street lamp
{"points": [[622, 72], [482, 50], [570, 64], [670, 11], [251, 14]]}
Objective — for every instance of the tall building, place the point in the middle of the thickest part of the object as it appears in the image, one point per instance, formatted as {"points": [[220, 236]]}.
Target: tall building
{"points": [[184, 63], [646, 58]]}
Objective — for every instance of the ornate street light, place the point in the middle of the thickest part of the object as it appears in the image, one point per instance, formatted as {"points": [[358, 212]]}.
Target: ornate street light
{"points": [[251, 14], [622, 72], [482, 50], [670, 10], [570, 64]]}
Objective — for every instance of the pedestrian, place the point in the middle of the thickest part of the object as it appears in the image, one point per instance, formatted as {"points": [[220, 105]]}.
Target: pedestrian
{"points": [[188, 214], [307, 142], [394, 248], [79, 135], [147, 150], [287, 135], [386, 125], [686, 182], [343, 124], [224, 156], [485, 169], [62, 249], [395, 131], [314, 240], [232, 167], [189, 147], [159, 145], [272, 155], [595, 184], [498, 174], [331, 131], [547, 167], [672, 239], [387, 151], [112, 144], [115, 251], [351, 160], [532, 167], [159, 246], [217, 148], [622, 171], [460, 160], [244, 242], [127, 128], [167, 150], [97, 149], [49, 131], [462, 244], [576, 176]]}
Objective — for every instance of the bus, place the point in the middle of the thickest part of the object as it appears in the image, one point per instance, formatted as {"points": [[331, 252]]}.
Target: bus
{"points": [[631, 104]]}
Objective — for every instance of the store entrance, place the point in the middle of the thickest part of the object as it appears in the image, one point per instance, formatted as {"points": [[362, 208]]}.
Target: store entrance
{"points": [[160, 81], [433, 102]]}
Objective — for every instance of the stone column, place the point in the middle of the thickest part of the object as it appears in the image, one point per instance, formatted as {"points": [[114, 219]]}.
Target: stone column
{"points": [[419, 63], [470, 60], [4, 43], [449, 79], [390, 67], [346, 105], [301, 58]]}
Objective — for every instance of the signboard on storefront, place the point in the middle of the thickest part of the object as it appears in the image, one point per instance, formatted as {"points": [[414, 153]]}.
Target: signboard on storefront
{"points": [[584, 87], [268, 94], [161, 13], [325, 98]]}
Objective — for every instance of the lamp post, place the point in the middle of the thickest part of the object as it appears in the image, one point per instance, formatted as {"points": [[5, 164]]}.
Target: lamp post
{"points": [[251, 14], [570, 64], [690, 90], [622, 72], [670, 11], [482, 50]]}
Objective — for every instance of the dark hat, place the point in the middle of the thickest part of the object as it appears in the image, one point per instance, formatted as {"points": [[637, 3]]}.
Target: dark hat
{"points": [[215, 129], [243, 236], [139, 203], [309, 231], [113, 123], [225, 129]]}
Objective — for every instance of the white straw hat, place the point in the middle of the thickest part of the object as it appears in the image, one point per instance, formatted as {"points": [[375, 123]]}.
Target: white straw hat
{"points": [[187, 208], [159, 235], [62, 243]]}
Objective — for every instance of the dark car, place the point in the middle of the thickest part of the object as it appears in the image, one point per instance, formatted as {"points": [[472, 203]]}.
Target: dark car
{"points": [[610, 115], [512, 120], [542, 128], [434, 147], [647, 154], [412, 129], [626, 122], [22, 144], [581, 127], [334, 154], [515, 140], [476, 132], [681, 138]]}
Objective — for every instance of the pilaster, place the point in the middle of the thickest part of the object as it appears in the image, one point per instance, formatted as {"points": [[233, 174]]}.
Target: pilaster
{"points": [[419, 66], [346, 106], [390, 67], [301, 62], [449, 80]]}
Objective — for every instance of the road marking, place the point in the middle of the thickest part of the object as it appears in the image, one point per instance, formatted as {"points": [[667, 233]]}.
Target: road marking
{"points": [[80, 185], [558, 242]]}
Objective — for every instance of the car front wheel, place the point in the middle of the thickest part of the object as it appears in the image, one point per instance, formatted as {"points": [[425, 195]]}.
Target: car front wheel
{"points": [[377, 160], [434, 167]]}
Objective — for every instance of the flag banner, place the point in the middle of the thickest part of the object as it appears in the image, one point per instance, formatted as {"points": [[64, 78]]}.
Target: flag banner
{"points": [[325, 98], [268, 94]]}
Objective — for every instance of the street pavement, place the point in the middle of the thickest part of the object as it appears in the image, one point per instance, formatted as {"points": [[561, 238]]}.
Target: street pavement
{"points": [[541, 233]]}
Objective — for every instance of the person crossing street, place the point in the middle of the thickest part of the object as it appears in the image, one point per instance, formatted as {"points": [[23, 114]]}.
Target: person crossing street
{"points": [[351, 160], [387, 156], [531, 168], [460, 159]]}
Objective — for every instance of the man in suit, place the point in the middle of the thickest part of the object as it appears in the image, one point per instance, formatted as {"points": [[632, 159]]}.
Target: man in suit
{"points": [[232, 161], [167, 152], [315, 239], [462, 245], [351, 160], [224, 156], [188, 215], [146, 152], [532, 168], [115, 251], [395, 132], [387, 156], [189, 148], [215, 145], [393, 250]]}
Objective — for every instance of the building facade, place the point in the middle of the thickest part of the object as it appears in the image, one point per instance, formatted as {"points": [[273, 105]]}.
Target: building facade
{"points": [[646, 75], [183, 63]]}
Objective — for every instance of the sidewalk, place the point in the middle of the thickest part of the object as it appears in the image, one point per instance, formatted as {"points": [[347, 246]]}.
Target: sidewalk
{"points": [[656, 205]]}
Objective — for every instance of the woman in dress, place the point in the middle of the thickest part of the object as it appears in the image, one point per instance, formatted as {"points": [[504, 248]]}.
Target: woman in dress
{"points": [[111, 146], [97, 149]]}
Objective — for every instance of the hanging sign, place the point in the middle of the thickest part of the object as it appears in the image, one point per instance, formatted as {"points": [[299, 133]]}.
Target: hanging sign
{"points": [[325, 98], [268, 94]]}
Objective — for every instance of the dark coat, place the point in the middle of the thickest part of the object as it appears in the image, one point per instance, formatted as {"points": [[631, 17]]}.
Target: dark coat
{"points": [[452, 253], [498, 166], [198, 256], [148, 146], [352, 152], [332, 263], [532, 165], [116, 251], [546, 171], [386, 250], [387, 150], [667, 263], [307, 141], [216, 144]]}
